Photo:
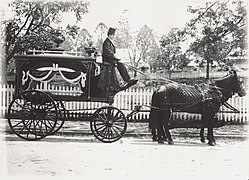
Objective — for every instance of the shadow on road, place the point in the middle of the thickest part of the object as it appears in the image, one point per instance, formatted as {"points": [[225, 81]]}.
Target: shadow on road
{"points": [[56, 139], [193, 143]]}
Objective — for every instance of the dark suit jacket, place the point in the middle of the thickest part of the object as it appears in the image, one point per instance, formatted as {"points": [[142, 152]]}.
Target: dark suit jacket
{"points": [[109, 51]]}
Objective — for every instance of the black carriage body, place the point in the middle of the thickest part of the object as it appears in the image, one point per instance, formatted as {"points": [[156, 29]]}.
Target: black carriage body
{"points": [[73, 70], [38, 111]]}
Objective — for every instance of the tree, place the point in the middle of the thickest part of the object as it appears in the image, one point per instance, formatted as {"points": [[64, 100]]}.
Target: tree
{"points": [[141, 47], [218, 30], [33, 24], [171, 56], [100, 32], [124, 36], [76, 39], [144, 49]]}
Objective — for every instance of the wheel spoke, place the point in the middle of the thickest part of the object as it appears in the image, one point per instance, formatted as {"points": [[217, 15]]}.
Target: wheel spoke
{"points": [[47, 126], [108, 124], [104, 114], [18, 104], [17, 124], [116, 132], [51, 117], [50, 125], [37, 113], [118, 128], [100, 118], [104, 131], [108, 132], [24, 108], [111, 133], [49, 107], [39, 125], [99, 123], [100, 128], [27, 122]]}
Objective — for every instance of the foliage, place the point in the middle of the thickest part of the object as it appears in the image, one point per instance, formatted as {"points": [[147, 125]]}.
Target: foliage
{"points": [[34, 24], [76, 39], [171, 56], [99, 33], [72, 30], [218, 30], [142, 47], [124, 36]]}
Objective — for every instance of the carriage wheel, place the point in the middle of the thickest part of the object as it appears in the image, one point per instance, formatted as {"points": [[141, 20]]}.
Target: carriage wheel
{"points": [[108, 124], [32, 115], [61, 115]]}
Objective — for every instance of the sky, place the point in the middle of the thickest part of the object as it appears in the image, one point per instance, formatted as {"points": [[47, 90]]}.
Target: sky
{"points": [[159, 15]]}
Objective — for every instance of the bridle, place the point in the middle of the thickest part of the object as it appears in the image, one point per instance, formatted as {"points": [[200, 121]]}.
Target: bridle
{"points": [[229, 91]]}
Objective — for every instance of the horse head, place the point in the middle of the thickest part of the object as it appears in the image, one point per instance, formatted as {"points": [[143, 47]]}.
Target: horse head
{"points": [[232, 83], [238, 86]]}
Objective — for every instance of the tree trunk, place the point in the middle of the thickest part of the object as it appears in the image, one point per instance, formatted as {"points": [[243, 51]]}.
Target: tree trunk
{"points": [[207, 70], [170, 73], [3, 75]]}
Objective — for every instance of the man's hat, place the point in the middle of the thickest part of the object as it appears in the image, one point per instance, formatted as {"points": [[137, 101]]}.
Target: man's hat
{"points": [[111, 30]]}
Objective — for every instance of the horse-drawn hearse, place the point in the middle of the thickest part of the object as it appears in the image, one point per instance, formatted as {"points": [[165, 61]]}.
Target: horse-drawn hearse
{"points": [[34, 114]]}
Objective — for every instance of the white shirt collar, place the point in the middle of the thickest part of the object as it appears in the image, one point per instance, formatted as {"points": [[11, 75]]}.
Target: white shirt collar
{"points": [[111, 41]]}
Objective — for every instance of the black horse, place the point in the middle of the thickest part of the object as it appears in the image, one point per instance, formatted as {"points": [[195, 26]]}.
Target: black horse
{"points": [[204, 99]]}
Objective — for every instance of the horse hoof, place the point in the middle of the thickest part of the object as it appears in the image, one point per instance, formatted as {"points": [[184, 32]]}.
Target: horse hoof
{"points": [[211, 143], [202, 140], [165, 138], [170, 142], [160, 141], [154, 139]]}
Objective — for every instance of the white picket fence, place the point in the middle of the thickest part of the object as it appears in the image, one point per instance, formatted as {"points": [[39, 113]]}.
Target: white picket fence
{"points": [[126, 101]]}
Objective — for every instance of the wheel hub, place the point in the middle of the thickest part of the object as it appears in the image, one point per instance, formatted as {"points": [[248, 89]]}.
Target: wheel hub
{"points": [[108, 124]]}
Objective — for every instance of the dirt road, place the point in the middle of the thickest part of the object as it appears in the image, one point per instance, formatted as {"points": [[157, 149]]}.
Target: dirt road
{"points": [[128, 158], [64, 157]]}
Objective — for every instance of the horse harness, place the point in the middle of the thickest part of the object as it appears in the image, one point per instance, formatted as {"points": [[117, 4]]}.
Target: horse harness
{"points": [[210, 95]]}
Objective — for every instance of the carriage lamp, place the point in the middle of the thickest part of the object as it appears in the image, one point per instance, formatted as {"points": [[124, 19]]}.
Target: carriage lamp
{"points": [[90, 51]]}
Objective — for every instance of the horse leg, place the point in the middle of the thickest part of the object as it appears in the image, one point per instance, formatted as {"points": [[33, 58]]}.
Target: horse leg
{"points": [[154, 134], [153, 117], [166, 114], [211, 140], [160, 130], [170, 140], [208, 117], [202, 135], [210, 134]]}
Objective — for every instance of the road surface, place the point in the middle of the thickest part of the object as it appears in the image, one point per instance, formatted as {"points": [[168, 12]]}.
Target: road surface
{"points": [[64, 157]]}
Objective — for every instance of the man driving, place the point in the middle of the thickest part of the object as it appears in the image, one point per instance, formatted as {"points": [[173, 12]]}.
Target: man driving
{"points": [[108, 55]]}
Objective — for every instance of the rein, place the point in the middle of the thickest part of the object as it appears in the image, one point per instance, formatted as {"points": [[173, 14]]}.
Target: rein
{"points": [[168, 80], [137, 70], [188, 105], [229, 106]]}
